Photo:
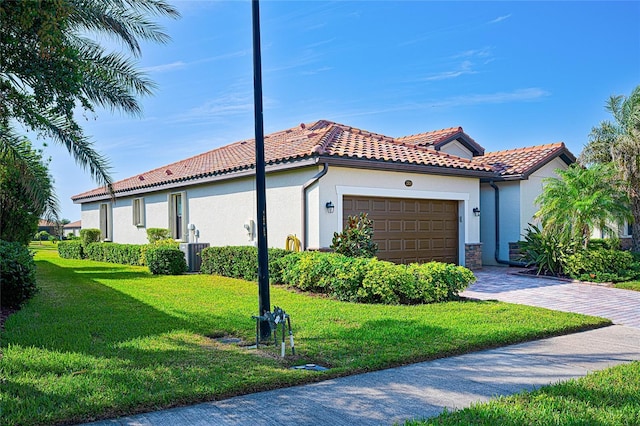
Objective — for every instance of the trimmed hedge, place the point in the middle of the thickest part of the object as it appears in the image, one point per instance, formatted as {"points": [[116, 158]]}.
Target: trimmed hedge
{"points": [[239, 262], [71, 249], [372, 280], [158, 234], [89, 235], [124, 254], [169, 242], [602, 265], [17, 274], [165, 260]]}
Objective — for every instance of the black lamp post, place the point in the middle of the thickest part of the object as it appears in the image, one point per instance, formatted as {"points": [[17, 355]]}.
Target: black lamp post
{"points": [[264, 302]]}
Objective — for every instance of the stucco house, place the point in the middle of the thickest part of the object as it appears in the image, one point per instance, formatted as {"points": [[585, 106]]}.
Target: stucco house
{"points": [[424, 193], [508, 199], [72, 228]]}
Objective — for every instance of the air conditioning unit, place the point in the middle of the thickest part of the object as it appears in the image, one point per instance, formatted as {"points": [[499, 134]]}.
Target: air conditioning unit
{"points": [[192, 255]]}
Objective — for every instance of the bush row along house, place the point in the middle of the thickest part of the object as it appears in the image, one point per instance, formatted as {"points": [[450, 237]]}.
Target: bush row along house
{"points": [[432, 196]]}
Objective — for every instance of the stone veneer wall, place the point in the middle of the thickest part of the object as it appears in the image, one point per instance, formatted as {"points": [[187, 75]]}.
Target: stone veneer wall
{"points": [[514, 252], [473, 255]]}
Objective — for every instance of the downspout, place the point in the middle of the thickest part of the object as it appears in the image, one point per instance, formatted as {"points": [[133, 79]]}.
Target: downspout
{"points": [[307, 184], [496, 199]]}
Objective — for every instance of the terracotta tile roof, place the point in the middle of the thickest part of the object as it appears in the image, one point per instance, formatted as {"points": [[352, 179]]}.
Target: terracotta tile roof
{"points": [[45, 223], [76, 224], [319, 139], [437, 138], [523, 161]]}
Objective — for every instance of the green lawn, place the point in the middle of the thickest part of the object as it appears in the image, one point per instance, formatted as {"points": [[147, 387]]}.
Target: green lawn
{"points": [[629, 285], [102, 340], [607, 397]]}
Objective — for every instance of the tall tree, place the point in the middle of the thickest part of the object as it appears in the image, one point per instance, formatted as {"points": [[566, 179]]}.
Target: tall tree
{"points": [[26, 193], [582, 199], [618, 142], [51, 63]]}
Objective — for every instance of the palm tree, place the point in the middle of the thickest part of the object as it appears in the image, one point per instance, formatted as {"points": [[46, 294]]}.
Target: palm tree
{"points": [[26, 192], [618, 143], [582, 199], [49, 66]]}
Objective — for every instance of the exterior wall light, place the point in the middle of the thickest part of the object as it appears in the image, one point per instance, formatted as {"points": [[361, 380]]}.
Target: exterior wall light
{"points": [[476, 211], [330, 207]]}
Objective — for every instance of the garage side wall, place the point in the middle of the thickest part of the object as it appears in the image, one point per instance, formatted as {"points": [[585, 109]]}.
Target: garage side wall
{"points": [[532, 188], [510, 226]]}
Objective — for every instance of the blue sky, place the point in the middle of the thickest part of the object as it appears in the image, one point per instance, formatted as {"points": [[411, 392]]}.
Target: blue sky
{"points": [[512, 74]]}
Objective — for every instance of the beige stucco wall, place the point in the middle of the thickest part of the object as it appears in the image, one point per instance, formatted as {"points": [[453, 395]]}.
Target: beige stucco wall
{"points": [[456, 148], [509, 219], [532, 188], [218, 210], [341, 181], [90, 215], [517, 208]]}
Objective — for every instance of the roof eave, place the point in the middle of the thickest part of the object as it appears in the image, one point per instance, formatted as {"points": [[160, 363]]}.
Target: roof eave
{"points": [[362, 163], [249, 171], [463, 138], [563, 153]]}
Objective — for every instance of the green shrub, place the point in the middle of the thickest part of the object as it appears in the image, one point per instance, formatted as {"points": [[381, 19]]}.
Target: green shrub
{"points": [[89, 235], [71, 249], [163, 260], [602, 265], [239, 262], [168, 242], [356, 240], [42, 236], [373, 281], [384, 282], [17, 274], [348, 277], [312, 271], [124, 254], [436, 281], [604, 243], [548, 252], [158, 234]]}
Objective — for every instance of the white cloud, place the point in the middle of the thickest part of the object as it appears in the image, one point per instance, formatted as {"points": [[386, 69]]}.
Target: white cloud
{"points": [[464, 69], [474, 53], [499, 19], [316, 71], [222, 106], [519, 95], [165, 67], [181, 64]]}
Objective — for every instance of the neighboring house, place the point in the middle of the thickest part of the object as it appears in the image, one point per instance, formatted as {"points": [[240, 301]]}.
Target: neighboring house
{"points": [[50, 227], [508, 199], [422, 191], [72, 228]]}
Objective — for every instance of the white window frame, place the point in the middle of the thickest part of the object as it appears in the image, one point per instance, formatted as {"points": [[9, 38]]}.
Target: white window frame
{"points": [[138, 212], [181, 233], [106, 222]]}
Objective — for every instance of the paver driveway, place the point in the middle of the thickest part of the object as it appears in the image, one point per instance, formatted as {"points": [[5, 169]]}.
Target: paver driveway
{"points": [[620, 306]]}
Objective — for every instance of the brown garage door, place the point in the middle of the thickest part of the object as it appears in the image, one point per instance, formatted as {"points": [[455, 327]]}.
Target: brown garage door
{"points": [[410, 230]]}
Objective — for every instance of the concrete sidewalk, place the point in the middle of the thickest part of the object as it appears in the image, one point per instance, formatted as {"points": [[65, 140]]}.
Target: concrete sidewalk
{"points": [[414, 391]]}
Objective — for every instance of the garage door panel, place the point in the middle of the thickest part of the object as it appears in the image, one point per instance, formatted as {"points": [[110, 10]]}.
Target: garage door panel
{"points": [[394, 225], [410, 245], [380, 225], [394, 245], [410, 230]]}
